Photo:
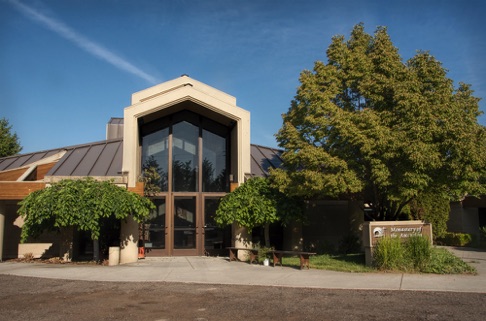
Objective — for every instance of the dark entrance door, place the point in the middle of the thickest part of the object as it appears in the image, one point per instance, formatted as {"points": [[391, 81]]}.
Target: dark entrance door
{"points": [[155, 230], [184, 226], [216, 239]]}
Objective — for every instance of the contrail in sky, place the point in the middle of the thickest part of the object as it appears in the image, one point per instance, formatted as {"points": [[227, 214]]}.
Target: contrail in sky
{"points": [[84, 43]]}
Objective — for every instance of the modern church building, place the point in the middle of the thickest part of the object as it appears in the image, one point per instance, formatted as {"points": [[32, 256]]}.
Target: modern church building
{"points": [[199, 141]]}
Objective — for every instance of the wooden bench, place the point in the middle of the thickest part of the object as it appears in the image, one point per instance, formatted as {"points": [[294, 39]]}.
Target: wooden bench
{"points": [[233, 253], [304, 257], [277, 255]]}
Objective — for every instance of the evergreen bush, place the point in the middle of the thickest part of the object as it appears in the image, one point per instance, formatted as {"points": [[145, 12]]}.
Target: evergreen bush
{"points": [[456, 239]]}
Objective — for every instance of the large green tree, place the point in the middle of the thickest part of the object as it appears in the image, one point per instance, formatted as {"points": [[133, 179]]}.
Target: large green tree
{"points": [[368, 126], [9, 142], [256, 204], [84, 204]]}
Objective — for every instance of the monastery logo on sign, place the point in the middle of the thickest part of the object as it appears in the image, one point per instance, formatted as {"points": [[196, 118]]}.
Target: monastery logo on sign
{"points": [[378, 232]]}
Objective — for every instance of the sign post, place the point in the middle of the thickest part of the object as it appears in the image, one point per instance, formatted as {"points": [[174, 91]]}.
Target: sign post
{"points": [[374, 231]]}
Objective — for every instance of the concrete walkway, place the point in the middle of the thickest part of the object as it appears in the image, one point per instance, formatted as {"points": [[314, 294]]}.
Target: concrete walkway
{"points": [[211, 270]]}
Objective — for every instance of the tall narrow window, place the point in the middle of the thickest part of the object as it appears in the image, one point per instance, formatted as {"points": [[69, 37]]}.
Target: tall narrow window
{"points": [[185, 156], [155, 157], [214, 173]]}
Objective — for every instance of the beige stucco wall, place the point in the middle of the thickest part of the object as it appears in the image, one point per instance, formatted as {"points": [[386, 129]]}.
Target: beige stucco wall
{"points": [[164, 99], [37, 250], [171, 93], [46, 245]]}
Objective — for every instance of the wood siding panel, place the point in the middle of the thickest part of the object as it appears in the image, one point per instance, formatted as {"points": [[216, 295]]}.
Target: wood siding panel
{"points": [[13, 175], [18, 190], [137, 189], [42, 170]]}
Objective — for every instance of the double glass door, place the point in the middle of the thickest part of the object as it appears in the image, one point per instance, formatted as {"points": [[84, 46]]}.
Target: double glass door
{"points": [[184, 226]]}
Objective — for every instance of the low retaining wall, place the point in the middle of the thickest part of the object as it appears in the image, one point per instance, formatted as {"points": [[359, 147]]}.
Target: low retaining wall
{"points": [[36, 249]]}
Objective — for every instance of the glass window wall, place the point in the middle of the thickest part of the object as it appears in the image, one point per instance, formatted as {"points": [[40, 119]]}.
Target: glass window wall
{"points": [[185, 157], [185, 133], [155, 156], [214, 174]]}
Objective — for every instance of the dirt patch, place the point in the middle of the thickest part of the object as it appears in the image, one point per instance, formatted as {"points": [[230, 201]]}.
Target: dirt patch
{"points": [[24, 298]]}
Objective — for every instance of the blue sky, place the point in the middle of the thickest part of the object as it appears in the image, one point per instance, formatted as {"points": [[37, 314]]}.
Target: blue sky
{"points": [[68, 66]]}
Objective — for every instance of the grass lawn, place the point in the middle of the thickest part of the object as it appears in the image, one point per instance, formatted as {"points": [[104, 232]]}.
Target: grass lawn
{"points": [[441, 262], [342, 263]]}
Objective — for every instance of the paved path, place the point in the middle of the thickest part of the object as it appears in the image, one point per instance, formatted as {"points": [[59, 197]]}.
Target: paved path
{"points": [[210, 270]]}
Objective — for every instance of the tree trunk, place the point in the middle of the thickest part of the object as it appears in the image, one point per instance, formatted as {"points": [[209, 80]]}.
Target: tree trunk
{"points": [[267, 234], [96, 250]]}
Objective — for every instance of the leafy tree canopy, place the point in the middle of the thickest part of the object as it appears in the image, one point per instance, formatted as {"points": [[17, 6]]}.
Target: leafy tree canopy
{"points": [[367, 125], [254, 204], [80, 203], [9, 142]]}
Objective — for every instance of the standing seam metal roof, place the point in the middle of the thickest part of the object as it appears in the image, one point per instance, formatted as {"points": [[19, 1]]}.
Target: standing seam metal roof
{"points": [[263, 158], [17, 161], [95, 159]]}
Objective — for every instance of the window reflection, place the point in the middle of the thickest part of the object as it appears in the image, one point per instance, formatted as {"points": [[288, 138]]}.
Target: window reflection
{"points": [[186, 154], [155, 158], [184, 222], [184, 157], [215, 237], [214, 162], [154, 227]]}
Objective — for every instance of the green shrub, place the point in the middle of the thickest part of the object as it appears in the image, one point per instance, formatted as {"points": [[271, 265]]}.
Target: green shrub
{"points": [[456, 239], [264, 253], [389, 254], [418, 251], [416, 254], [444, 262], [482, 233], [394, 254]]}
